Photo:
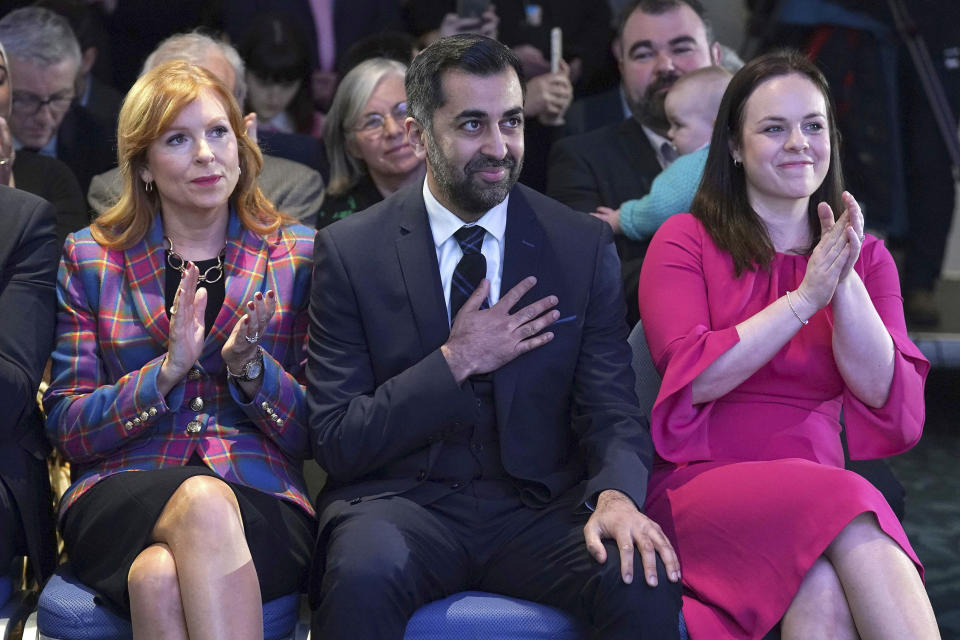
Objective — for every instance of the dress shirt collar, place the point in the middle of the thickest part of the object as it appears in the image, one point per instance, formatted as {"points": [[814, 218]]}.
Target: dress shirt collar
{"points": [[657, 141], [444, 223]]}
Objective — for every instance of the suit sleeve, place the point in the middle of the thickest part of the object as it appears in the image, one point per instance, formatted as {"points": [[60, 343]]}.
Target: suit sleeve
{"points": [[614, 433], [87, 412], [571, 179], [358, 422], [29, 303]]}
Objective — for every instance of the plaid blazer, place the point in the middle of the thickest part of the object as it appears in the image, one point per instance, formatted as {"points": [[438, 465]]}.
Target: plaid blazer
{"points": [[104, 412]]}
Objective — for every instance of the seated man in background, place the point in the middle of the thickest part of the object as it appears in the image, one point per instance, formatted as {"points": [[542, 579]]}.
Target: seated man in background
{"points": [[293, 188], [469, 447], [28, 260], [691, 106], [44, 59], [657, 42]]}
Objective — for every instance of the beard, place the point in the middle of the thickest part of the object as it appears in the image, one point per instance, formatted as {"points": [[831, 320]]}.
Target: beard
{"points": [[651, 110], [472, 196]]}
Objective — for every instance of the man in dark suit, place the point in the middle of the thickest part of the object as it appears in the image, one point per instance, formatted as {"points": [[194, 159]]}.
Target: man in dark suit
{"points": [[657, 41], [44, 59], [28, 262], [486, 437]]}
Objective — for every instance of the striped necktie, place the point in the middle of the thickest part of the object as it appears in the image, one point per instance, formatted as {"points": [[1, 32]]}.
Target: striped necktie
{"points": [[471, 269]]}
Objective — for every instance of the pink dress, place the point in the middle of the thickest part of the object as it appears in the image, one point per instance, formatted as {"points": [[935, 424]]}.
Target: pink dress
{"points": [[751, 488]]}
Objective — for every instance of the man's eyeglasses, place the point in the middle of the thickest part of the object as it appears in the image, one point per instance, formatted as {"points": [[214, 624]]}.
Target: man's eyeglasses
{"points": [[28, 104], [375, 123]]}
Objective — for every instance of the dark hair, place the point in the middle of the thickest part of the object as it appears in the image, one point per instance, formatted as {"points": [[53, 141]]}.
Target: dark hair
{"points": [[473, 54], [721, 202], [274, 51], [392, 45], [659, 7]]}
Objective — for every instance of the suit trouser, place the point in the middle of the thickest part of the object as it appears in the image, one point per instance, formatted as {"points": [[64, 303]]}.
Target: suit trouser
{"points": [[387, 557]]}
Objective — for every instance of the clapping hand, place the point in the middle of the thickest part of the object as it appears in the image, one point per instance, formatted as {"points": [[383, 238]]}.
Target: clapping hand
{"points": [[834, 256], [483, 340], [241, 345], [186, 329]]}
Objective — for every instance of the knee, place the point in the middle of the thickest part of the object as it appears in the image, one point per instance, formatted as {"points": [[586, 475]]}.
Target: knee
{"points": [[202, 508], [638, 598], [153, 577]]}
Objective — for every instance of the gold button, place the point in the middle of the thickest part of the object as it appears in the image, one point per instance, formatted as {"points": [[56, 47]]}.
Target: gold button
{"points": [[265, 406], [136, 421], [193, 374], [128, 425], [194, 427], [196, 404], [279, 422], [271, 413], [144, 416], [153, 411], [276, 418]]}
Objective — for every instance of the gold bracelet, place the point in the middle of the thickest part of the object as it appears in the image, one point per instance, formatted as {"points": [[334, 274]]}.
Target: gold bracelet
{"points": [[802, 321]]}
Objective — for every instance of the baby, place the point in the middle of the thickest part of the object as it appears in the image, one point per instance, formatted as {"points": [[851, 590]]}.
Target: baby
{"points": [[691, 106]]}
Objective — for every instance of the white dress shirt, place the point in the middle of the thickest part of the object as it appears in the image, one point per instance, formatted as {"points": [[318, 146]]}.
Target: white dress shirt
{"points": [[444, 223]]}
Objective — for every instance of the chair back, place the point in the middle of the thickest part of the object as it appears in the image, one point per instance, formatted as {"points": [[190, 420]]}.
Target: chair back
{"points": [[648, 379]]}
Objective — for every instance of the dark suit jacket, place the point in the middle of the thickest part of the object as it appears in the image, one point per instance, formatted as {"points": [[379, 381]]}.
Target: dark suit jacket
{"points": [[86, 145], [28, 255], [381, 395], [54, 182], [593, 112], [607, 167]]}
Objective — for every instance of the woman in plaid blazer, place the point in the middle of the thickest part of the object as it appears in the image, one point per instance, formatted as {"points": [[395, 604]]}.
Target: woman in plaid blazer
{"points": [[177, 387]]}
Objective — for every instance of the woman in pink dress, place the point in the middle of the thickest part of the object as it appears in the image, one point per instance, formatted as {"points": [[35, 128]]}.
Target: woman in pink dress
{"points": [[766, 314]]}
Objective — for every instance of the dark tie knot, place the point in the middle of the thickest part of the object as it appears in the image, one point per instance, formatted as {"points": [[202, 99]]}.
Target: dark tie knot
{"points": [[470, 238]]}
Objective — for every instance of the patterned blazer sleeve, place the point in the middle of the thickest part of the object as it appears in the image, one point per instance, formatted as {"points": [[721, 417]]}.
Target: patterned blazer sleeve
{"points": [[89, 415], [279, 409]]}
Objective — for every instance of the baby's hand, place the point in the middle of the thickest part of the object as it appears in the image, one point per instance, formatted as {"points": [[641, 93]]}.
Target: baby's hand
{"points": [[610, 216]]}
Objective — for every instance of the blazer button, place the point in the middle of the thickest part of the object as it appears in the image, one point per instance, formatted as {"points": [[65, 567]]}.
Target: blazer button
{"points": [[128, 425], [455, 485], [356, 501], [153, 411], [194, 427], [193, 374], [422, 475], [144, 416], [196, 404]]}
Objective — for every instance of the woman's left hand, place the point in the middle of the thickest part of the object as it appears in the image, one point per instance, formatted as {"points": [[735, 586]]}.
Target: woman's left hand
{"points": [[241, 347], [852, 217]]}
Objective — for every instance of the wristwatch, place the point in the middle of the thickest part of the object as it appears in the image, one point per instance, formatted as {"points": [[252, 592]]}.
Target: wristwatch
{"points": [[251, 370]]}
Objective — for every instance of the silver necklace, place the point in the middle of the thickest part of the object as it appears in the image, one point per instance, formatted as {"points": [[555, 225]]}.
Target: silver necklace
{"points": [[209, 276]]}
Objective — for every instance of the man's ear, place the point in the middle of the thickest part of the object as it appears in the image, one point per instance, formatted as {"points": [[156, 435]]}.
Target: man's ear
{"points": [[416, 137], [716, 54]]}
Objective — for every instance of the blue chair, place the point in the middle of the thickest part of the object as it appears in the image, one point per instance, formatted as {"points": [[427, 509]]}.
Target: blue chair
{"points": [[475, 615], [67, 610]]}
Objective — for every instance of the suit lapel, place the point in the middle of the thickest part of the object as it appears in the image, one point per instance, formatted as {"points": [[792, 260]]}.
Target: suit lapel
{"points": [[641, 155], [521, 258], [417, 255], [144, 264]]}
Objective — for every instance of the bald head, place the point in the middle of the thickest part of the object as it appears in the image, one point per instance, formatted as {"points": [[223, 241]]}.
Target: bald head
{"points": [[691, 106]]}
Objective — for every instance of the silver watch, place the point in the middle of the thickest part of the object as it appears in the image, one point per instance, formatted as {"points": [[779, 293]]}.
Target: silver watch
{"points": [[251, 370]]}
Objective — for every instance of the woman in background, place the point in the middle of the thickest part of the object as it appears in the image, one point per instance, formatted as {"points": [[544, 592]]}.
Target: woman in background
{"points": [[366, 140]]}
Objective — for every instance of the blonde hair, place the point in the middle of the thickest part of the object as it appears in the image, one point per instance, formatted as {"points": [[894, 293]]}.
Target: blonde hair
{"points": [[148, 110]]}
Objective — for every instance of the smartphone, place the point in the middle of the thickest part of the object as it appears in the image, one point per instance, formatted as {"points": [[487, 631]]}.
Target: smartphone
{"points": [[472, 8], [556, 49]]}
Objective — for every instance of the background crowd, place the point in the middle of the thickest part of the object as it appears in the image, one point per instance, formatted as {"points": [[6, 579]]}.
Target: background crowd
{"points": [[619, 128]]}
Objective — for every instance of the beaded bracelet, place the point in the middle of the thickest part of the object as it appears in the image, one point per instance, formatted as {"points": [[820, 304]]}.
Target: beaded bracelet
{"points": [[802, 321]]}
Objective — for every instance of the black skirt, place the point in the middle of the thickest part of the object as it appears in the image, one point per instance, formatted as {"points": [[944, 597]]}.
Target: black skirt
{"points": [[109, 525]]}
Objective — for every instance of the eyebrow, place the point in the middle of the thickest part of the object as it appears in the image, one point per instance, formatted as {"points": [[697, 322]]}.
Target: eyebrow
{"points": [[812, 114], [684, 39], [470, 114]]}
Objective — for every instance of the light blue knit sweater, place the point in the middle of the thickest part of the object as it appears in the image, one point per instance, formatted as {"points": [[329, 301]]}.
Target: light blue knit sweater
{"points": [[672, 192]]}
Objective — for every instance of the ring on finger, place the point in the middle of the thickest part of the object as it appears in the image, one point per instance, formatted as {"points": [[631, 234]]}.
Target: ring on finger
{"points": [[254, 339]]}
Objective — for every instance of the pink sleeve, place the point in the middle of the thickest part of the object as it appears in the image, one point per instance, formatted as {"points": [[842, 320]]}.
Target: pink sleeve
{"points": [[897, 425], [676, 321]]}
